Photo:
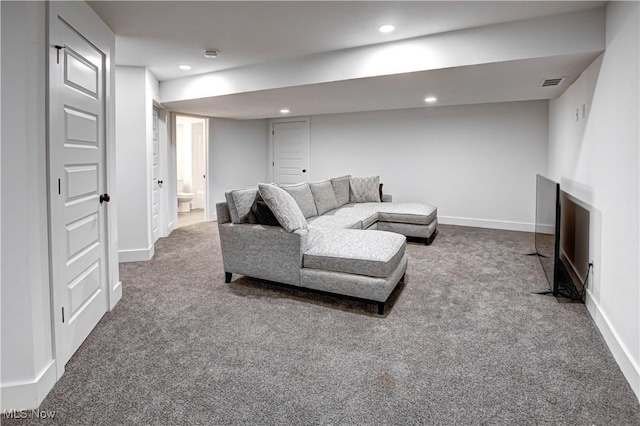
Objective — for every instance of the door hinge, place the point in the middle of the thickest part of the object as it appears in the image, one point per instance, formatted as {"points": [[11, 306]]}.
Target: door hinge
{"points": [[273, 164], [273, 132], [58, 48], [59, 187], [63, 314]]}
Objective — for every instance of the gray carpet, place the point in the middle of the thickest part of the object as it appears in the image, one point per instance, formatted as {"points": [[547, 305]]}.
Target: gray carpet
{"points": [[464, 342]]}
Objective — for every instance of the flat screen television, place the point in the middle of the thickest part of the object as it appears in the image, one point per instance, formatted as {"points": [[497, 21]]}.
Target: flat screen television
{"points": [[548, 239]]}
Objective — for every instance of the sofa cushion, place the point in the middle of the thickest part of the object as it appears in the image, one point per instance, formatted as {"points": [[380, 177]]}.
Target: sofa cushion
{"points": [[352, 216], [370, 253], [364, 190], [283, 206], [329, 221], [240, 202], [414, 213], [323, 196], [303, 196], [341, 189]]}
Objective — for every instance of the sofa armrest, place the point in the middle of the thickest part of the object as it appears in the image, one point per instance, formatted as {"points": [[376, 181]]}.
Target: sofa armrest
{"points": [[387, 198], [261, 251]]}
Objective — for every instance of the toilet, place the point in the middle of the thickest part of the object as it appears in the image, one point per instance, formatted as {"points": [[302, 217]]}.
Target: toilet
{"points": [[184, 201]]}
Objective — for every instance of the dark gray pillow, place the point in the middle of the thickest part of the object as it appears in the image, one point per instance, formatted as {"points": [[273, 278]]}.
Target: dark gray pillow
{"points": [[263, 213]]}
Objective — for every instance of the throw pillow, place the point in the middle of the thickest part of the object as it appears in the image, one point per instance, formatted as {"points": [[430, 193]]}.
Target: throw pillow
{"points": [[303, 196], [263, 213], [324, 196], [239, 202], [341, 189], [364, 190], [283, 206]]}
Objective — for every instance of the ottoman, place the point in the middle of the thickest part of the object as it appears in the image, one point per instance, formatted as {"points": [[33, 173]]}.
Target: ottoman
{"points": [[361, 264], [410, 219]]}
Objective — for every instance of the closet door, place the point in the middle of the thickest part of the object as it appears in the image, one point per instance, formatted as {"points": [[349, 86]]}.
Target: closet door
{"points": [[77, 195], [290, 151]]}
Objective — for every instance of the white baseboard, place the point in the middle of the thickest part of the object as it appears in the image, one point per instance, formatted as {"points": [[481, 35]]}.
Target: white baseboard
{"points": [[623, 357], [486, 223], [28, 395], [137, 255]]}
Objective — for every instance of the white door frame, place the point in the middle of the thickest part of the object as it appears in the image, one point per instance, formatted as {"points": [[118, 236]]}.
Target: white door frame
{"points": [[271, 150], [163, 152], [208, 211], [164, 221], [84, 20]]}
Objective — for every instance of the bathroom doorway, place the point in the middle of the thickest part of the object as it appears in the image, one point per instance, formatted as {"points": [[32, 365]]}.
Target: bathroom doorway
{"points": [[191, 166]]}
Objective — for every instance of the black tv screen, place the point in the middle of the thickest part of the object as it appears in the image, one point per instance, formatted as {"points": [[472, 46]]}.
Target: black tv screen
{"points": [[547, 238], [561, 262]]}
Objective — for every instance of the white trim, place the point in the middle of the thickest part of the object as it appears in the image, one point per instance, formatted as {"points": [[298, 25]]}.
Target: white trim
{"points": [[172, 173], [28, 394], [136, 255], [209, 201], [487, 223], [618, 349], [163, 141]]}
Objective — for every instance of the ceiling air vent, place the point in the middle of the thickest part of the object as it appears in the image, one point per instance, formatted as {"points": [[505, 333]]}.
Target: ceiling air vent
{"points": [[548, 82]]}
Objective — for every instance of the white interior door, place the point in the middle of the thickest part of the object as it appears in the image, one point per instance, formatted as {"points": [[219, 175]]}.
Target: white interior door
{"points": [[155, 183], [290, 151], [77, 183]]}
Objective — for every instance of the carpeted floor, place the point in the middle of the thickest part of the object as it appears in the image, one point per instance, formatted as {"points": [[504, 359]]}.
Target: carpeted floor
{"points": [[464, 342]]}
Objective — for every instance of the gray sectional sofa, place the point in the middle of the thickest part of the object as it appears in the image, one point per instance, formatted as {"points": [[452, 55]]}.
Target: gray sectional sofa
{"points": [[318, 239]]}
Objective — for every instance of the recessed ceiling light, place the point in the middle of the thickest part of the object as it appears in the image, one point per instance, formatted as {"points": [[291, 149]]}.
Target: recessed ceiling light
{"points": [[430, 99], [184, 67], [284, 111], [386, 29]]}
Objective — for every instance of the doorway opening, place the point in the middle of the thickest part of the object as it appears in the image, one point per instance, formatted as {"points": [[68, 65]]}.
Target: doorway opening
{"points": [[191, 166]]}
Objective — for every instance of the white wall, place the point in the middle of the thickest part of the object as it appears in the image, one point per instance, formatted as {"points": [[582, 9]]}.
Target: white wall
{"points": [[476, 163], [510, 41], [136, 91], [26, 313], [597, 160], [237, 156], [132, 165], [28, 367]]}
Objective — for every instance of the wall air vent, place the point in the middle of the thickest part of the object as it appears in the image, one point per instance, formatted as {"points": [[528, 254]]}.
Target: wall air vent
{"points": [[548, 82]]}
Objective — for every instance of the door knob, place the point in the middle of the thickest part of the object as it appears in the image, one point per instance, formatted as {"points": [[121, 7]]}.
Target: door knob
{"points": [[304, 170], [104, 197], [160, 183]]}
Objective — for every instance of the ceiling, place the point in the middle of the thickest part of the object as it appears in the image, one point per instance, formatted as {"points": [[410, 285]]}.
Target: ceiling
{"points": [[160, 35]]}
